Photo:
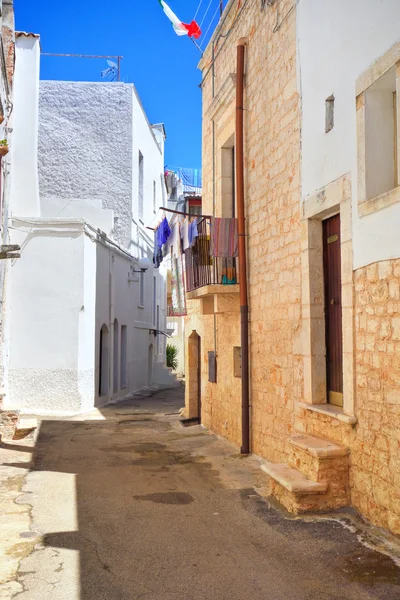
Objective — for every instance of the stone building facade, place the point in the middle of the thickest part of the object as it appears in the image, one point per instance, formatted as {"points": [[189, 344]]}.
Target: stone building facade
{"points": [[311, 111]]}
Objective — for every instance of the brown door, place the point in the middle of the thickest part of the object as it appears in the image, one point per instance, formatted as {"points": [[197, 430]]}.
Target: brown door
{"points": [[199, 377], [333, 310]]}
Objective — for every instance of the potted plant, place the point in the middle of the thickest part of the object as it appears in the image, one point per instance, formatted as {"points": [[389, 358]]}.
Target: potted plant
{"points": [[172, 357], [4, 149]]}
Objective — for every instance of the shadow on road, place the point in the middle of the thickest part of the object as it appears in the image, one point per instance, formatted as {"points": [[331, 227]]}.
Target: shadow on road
{"points": [[152, 517]]}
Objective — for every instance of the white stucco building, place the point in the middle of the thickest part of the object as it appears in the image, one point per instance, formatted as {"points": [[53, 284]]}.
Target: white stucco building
{"points": [[88, 178], [359, 34], [7, 51]]}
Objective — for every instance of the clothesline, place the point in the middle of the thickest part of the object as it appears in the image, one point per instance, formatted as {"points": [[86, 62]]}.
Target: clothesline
{"points": [[178, 212]]}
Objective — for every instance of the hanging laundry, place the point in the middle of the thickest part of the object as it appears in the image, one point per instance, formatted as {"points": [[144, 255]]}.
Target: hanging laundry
{"points": [[229, 272], [185, 234], [178, 288], [176, 243], [161, 236], [157, 256], [164, 231], [193, 231], [173, 246], [224, 238]]}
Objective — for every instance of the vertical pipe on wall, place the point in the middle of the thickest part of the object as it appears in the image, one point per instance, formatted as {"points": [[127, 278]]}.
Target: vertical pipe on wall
{"points": [[244, 308], [214, 182]]}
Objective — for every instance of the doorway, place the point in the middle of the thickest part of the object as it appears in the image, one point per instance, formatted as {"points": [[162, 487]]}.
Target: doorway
{"points": [[333, 310], [150, 368], [104, 366], [199, 378], [194, 377], [115, 357]]}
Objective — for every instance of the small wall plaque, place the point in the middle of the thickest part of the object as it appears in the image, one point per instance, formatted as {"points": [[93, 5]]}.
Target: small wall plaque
{"points": [[333, 238]]}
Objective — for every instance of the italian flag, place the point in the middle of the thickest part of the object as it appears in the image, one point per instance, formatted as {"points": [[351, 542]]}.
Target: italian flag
{"points": [[192, 30]]}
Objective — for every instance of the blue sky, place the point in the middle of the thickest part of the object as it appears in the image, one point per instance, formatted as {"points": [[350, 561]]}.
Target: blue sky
{"points": [[162, 65]]}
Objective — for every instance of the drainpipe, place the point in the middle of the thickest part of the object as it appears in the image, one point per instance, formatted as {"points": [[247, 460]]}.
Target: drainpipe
{"points": [[244, 306]]}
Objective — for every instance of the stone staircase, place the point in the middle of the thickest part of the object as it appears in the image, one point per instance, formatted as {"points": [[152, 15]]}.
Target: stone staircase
{"points": [[316, 477]]}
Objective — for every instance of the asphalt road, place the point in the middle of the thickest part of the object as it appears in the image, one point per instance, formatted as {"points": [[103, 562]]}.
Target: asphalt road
{"points": [[130, 505]]}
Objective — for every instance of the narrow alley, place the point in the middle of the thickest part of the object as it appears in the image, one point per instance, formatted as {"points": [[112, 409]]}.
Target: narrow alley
{"points": [[125, 503]]}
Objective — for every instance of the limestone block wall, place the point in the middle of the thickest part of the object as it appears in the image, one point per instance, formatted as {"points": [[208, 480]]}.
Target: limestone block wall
{"points": [[376, 451], [221, 401], [273, 213], [272, 147], [374, 441]]}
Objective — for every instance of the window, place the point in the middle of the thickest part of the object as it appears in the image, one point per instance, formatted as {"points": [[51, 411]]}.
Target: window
{"points": [[228, 179], [154, 197], [154, 299], [158, 328], [124, 354], [141, 186], [141, 289], [115, 358], [104, 362], [329, 113], [381, 135], [194, 209]]}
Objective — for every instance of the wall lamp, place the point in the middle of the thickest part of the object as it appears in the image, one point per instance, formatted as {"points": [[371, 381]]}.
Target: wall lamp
{"points": [[144, 265]]}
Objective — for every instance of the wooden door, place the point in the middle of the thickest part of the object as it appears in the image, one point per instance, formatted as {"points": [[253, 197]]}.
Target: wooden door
{"points": [[333, 310], [199, 377]]}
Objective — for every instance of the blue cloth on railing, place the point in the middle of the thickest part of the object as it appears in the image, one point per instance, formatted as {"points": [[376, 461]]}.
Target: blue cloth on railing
{"points": [[191, 179]]}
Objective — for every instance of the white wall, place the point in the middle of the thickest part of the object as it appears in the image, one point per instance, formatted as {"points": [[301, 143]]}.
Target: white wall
{"points": [[49, 367], [90, 136], [144, 140], [85, 151], [337, 42], [117, 281], [24, 184], [69, 281]]}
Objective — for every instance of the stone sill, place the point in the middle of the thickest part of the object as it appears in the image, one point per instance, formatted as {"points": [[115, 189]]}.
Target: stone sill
{"points": [[212, 290], [330, 411], [383, 201]]}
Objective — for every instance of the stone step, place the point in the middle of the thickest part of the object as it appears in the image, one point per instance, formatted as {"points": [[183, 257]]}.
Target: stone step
{"points": [[322, 461], [24, 428], [292, 480], [317, 447]]}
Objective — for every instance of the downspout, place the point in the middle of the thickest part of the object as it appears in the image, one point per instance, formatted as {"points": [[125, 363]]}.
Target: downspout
{"points": [[244, 307], [214, 182]]}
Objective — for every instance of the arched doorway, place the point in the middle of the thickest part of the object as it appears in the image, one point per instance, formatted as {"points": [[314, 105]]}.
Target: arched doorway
{"points": [[151, 361], [104, 365], [194, 376], [115, 357]]}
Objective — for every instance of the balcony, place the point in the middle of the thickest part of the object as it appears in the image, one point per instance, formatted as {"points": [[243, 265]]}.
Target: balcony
{"points": [[208, 276]]}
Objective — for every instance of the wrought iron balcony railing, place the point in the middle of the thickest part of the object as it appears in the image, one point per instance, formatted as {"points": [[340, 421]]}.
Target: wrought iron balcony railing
{"points": [[202, 269]]}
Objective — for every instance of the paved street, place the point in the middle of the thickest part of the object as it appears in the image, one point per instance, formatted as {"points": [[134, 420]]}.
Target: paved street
{"points": [[126, 504]]}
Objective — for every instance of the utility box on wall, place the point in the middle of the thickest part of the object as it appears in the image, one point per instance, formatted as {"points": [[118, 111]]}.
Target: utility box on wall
{"points": [[212, 367], [237, 361]]}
